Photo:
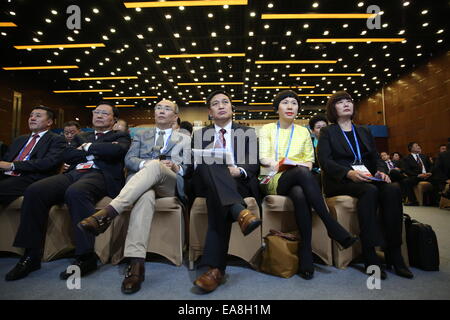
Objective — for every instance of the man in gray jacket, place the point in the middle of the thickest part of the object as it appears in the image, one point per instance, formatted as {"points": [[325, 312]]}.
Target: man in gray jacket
{"points": [[156, 162]]}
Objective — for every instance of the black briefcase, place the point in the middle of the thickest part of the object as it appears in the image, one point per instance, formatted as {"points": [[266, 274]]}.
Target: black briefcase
{"points": [[423, 250]]}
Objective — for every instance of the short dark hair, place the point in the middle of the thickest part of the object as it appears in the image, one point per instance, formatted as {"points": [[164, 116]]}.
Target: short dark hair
{"points": [[331, 105], [283, 95], [215, 93], [113, 107], [71, 124], [396, 152], [187, 126], [315, 119], [126, 123], [442, 145], [410, 145], [50, 112]]}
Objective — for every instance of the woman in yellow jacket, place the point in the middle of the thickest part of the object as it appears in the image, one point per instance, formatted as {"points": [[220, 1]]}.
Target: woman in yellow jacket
{"points": [[286, 140]]}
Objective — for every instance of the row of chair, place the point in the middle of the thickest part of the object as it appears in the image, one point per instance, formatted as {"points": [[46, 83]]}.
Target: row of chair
{"points": [[172, 230]]}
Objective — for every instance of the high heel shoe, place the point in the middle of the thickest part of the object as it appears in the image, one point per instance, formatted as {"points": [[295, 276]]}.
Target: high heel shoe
{"points": [[347, 242], [400, 268], [306, 274]]}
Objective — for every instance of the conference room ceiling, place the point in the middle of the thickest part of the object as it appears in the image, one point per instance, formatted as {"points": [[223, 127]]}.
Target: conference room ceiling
{"points": [[132, 42]]}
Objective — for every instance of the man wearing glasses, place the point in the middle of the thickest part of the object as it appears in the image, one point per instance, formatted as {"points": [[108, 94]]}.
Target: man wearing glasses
{"points": [[95, 170], [156, 164]]}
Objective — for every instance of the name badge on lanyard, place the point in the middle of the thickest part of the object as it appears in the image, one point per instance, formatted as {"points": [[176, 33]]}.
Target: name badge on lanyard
{"points": [[357, 164]]}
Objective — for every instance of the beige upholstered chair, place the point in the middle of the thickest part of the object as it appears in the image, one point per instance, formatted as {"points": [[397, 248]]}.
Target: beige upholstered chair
{"points": [[343, 209], [245, 247], [420, 189], [167, 233], [59, 237], [278, 214], [444, 203]]}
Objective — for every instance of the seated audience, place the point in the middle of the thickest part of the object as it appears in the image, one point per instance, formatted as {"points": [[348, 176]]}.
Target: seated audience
{"points": [[315, 124], [156, 164], [418, 168], [286, 140], [350, 163], [96, 171], [121, 125], [31, 157]]}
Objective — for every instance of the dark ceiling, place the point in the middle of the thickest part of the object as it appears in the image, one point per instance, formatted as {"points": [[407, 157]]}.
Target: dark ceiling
{"points": [[134, 39]]}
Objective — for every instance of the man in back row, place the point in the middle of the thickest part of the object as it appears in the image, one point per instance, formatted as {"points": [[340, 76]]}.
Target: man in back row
{"points": [[96, 170]]}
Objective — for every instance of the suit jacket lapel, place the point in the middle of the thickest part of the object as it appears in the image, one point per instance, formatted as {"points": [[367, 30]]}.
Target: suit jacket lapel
{"points": [[19, 146], [340, 134], [40, 142], [234, 126], [207, 143], [172, 141], [363, 137]]}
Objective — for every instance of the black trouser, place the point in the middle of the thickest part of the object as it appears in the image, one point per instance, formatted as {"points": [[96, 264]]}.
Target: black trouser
{"points": [[221, 191], [12, 187], [370, 196], [79, 190], [300, 185], [398, 177], [411, 182]]}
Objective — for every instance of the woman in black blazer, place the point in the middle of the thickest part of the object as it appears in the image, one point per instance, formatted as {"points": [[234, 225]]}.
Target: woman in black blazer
{"points": [[347, 155]]}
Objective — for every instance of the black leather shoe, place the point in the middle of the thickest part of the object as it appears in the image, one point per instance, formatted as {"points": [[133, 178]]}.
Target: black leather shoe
{"points": [[86, 266], [383, 274], [23, 268]]}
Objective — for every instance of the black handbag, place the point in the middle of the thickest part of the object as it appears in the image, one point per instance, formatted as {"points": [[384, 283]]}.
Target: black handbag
{"points": [[423, 250]]}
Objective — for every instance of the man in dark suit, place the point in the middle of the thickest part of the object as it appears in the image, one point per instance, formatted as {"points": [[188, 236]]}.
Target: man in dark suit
{"points": [[441, 170], [31, 157], [395, 172], [418, 168], [96, 170], [224, 184]]}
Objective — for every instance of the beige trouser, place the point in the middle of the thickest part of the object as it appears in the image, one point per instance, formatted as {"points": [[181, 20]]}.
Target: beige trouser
{"points": [[152, 181]]}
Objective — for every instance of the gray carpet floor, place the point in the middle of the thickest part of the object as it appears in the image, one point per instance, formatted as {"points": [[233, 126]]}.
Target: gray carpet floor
{"points": [[165, 281]]}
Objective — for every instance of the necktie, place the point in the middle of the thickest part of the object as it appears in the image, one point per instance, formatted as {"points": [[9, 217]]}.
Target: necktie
{"points": [[419, 162], [160, 141], [27, 148], [221, 142], [391, 165]]}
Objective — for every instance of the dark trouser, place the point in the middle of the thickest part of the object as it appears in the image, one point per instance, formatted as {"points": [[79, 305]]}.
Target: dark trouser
{"points": [[12, 188], [370, 196], [79, 190], [411, 182], [221, 191], [398, 177], [300, 185]]}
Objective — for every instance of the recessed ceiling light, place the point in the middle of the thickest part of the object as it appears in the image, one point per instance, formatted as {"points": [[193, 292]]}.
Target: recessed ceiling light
{"points": [[360, 4], [48, 20], [210, 15], [54, 12], [305, 26], [127, 18], [315, 4], [95, 10], [406, 3], [440, 31], [270, 5], [252, 14], [266, 26], [424, 11], [188, 28]]}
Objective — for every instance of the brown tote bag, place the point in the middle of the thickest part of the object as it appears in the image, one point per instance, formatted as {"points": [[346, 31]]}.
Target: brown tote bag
{"points": [[279, 256]]}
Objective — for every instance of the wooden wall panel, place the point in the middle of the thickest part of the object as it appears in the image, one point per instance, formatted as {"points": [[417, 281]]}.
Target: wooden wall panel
{"points": [[417, 107]]}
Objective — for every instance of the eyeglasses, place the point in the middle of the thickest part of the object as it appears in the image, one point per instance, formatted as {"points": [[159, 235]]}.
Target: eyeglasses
{"points": [[103, 113], [159, 108]]}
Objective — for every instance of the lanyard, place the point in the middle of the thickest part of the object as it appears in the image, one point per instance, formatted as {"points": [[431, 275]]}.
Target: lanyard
{"points": [[290, 140], [358, 158]]}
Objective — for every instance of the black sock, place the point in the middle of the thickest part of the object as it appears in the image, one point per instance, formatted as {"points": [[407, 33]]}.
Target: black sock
{"points": [[235, 210], [112, 213], [33, 253], [86, 256], [137, 260]]}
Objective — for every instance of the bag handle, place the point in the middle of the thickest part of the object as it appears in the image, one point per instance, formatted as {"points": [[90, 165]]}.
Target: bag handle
{"points": [[287, 236]]}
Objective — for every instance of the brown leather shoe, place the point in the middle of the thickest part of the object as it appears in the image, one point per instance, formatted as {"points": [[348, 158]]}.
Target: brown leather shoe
{"points": [[210, 280], [248, 221], [97, 223], [133, 278]]}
